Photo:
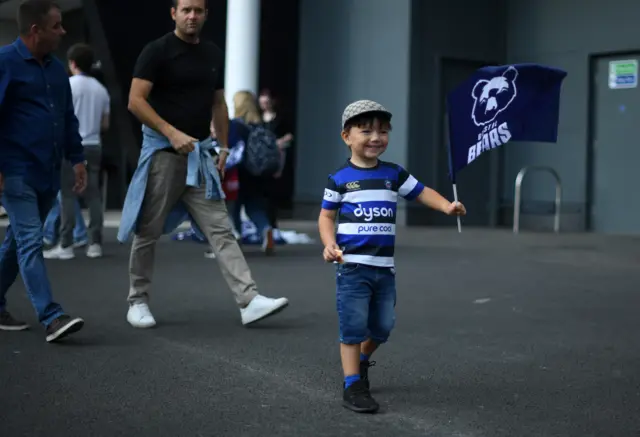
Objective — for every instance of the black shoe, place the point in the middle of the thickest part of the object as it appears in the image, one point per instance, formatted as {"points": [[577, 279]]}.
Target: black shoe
{"points": [[8, 323], [364, 371], [357, 398], [63, 326]]}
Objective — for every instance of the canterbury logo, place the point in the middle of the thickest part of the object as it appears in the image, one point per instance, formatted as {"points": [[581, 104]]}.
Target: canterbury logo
{"points": [[353, 186]]}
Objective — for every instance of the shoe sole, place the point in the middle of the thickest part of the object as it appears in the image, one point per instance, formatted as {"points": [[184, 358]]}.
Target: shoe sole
{"points": [[269, 314], [14, 328], [73, 326], [139, 326], [353, 408], [61, 258]]}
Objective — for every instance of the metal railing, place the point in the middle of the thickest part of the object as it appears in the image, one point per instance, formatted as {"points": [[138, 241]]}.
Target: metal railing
{"points": [[518, 196]]}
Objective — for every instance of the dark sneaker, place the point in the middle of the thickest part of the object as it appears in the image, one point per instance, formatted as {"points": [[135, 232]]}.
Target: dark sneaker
{"points": [[8, 323], [63, 326], [357, 398], [364, 371]]}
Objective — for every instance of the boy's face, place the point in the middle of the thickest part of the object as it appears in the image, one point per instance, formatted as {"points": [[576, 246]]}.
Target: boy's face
{"points": [[368, 141]]}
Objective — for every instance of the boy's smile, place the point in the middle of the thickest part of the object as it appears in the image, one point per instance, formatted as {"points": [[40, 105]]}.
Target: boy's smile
{"points": [[367, 142]]}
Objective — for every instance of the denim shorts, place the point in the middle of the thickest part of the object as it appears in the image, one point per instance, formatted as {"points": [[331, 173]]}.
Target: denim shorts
{"points": [[366, 300]]}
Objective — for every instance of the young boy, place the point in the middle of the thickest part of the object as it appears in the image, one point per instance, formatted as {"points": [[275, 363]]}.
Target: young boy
{"points": [[363, 194]]}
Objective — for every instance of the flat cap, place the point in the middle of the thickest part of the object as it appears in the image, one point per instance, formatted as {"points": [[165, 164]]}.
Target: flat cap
{"points": [[362, 107]]}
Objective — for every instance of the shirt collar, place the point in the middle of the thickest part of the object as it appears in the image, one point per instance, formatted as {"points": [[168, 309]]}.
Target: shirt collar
{"points": [[24, 51]]}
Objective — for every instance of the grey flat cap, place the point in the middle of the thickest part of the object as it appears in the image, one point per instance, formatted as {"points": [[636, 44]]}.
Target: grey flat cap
{"points": [[361, 107]]}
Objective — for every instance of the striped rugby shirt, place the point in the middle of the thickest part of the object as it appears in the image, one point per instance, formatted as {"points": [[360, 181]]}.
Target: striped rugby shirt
{"points": [[367, 201]]}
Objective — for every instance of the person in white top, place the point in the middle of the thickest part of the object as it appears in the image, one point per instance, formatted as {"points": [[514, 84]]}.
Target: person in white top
{"points": [[91, 103]]}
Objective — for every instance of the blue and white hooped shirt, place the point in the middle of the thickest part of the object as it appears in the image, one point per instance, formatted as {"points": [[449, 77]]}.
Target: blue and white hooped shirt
{"points": [[367, 201]]}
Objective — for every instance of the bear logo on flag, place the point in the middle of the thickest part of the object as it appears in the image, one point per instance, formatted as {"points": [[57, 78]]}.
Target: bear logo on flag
{"points": [[493, 96]]}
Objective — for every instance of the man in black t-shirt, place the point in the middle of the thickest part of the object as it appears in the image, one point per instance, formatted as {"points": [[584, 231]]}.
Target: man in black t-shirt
{"points": [[176, 92]]}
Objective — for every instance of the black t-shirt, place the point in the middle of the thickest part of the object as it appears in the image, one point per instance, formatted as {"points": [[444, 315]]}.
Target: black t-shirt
{"points": [[185, 78]]}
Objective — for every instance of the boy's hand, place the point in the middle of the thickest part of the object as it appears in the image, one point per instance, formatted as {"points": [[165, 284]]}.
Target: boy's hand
{"points": [[455, 208], [332, 253]]}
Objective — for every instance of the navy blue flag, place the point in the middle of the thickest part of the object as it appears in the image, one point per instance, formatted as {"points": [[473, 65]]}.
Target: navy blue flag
{"points": [[496, 105]]}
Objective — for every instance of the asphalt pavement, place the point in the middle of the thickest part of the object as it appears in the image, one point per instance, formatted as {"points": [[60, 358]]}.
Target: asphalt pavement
{"points": [[497, 335]]}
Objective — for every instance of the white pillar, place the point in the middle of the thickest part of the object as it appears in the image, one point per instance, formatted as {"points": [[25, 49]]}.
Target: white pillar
{"points": [[242, 53]]}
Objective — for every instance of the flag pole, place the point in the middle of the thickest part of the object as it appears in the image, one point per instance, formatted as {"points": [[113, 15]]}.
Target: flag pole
{"points": [[455, 198], [452, 173]]}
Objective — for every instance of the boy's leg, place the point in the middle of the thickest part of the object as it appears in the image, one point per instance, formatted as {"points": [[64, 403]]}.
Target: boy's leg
{"points": [[353, 294], [382, 317], [367, 348]]}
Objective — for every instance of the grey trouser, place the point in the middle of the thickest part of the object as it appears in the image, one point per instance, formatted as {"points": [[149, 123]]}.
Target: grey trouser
{"points": [[166, 185], [92, 197]]}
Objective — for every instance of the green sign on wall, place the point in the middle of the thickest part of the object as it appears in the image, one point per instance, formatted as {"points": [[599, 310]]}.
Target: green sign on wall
{"points": [[623, 74]]}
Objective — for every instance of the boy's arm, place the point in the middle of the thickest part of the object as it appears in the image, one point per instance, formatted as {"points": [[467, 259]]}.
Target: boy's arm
{"points": [[327, 226], [432, 199], [327, 221], [411, 189], [330, 206]]}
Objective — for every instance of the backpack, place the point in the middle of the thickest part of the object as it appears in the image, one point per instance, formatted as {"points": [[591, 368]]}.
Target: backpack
{"points": [[261, 154]]}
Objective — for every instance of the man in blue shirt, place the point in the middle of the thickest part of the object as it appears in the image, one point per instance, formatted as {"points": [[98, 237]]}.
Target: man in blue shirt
{"points": [[38, 129]]}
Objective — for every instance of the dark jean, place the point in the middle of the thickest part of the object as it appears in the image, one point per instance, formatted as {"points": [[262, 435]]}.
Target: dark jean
{"points": [[52, 223], [92, 197], [256, 209], [366, 300], [21, 251]]}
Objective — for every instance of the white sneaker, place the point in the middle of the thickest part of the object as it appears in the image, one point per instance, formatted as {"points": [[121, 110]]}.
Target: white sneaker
{"points": [[94, 251], [139, 316], [261, 307], [59, 252], [209, 254]]}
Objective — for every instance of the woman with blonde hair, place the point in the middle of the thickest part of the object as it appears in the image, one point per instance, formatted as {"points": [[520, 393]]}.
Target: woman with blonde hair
{"points": [[251, 192]]}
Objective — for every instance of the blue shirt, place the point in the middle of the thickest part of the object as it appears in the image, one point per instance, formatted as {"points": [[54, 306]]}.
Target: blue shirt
{"points": [[200, 167], [38, 127], [367, 199]]}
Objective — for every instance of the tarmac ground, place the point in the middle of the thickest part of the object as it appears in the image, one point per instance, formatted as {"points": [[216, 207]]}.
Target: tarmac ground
{"points": [[496, 335]]}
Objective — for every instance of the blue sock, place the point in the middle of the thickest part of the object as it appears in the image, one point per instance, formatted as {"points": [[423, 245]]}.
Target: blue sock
{"points": [[364, 357], [348, 380]]}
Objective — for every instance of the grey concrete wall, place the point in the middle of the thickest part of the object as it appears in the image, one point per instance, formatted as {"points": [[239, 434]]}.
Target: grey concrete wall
{"points": [[347, 52], [337, 65], [8, 32], [559, 33], [440, 30]]}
